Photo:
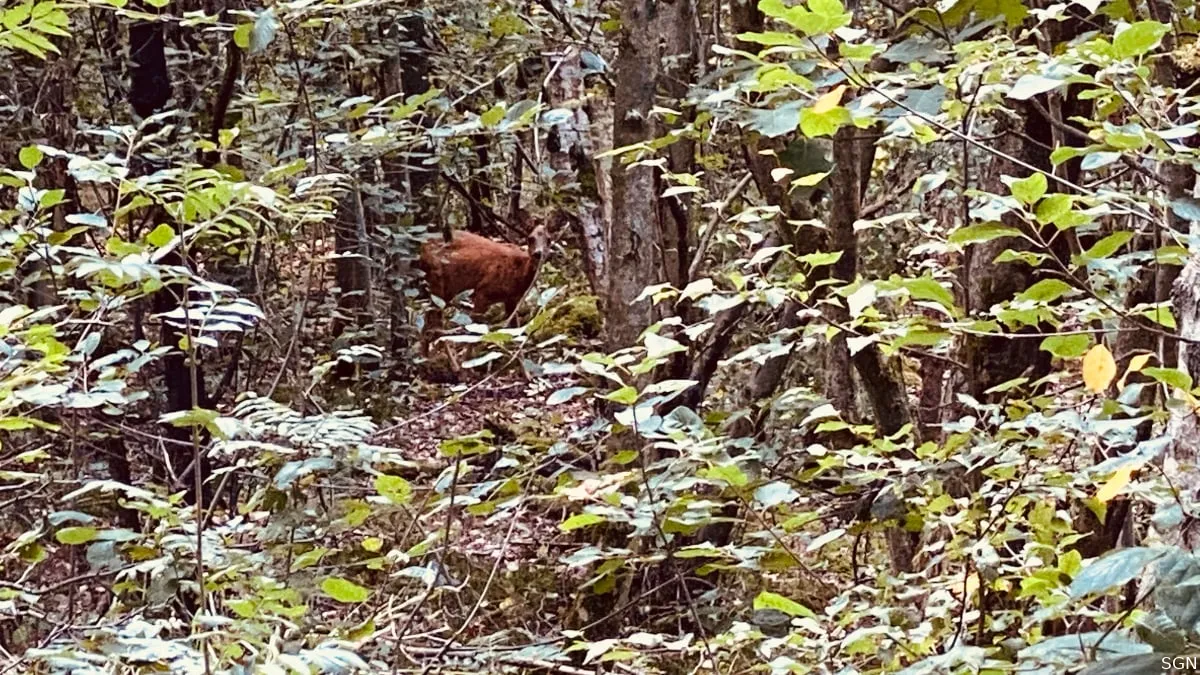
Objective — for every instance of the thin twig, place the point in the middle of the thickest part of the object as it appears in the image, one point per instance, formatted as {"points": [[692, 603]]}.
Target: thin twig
{"points": [[706, 237], [482, 594]]}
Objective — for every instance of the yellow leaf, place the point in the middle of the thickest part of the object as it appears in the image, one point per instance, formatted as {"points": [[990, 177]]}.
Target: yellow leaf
{"points": [[1117, 483], [1135, 366], [1099, 368], [830, 100], [969, 589]]}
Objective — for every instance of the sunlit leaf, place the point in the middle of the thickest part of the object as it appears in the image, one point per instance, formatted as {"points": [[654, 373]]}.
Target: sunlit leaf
{"points": [[829, 100], [396, 489], [581, 520], [344, 590], [75, 535], [769, 600], [1067, 346], [1099, 368], [1114, 485]]}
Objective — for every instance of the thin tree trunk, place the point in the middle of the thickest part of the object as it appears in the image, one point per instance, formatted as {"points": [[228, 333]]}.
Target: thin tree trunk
{"points": [[1182, 465], [633, 237], [883, 387], [150, 89], [408, 72], [572, 145]]}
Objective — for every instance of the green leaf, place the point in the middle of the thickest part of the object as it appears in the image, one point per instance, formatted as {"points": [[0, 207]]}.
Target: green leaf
{"points": [[51, 198], [1053, 207], [815, 125], [309, 558], [244, 607], [196, 417], [769, 600], [1163, 316], [625, 395], [1028, 257], [1013, 11], [161, 235], [832, 15], [1071, 219], [658, 346], [1067, 346], [1139, 38], [241, 35], [775, 77], [1065, 152], [810, 180], [30, 156], [729, 473], [466, 446], [1107, 246], [977, 234], [862, 52], [394, 488], [344, 590], [1046, 290], [820, 259], [1029, 189], [15, 423], [927, 288], [822, 16], [493, 116], [75, 535], [772, 39], [1113, 570], [581, 520], [1171, 377]]}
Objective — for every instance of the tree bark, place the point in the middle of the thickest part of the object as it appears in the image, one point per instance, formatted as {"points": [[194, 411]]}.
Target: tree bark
{"points": [[150, 89], [882, 385], [1182, 461], [633, 236], [572, 146], [676, 24], [408, 72], [352, 269]]}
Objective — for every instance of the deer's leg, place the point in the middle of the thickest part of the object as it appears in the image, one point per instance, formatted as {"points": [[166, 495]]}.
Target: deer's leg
{"points": [[432, 329], [482, 304], [510, 312]]}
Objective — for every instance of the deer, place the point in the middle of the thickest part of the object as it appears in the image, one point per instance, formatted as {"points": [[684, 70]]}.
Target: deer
{"points": [[496, 272]]}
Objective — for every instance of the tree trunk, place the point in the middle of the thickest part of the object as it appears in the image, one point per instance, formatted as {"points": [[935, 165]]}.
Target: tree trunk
{"points": [[59, 122], [1182, 462], [883, 387], [572, 146], [633, 236], [408, 72], [353, 271], [677, 26], [150, 89], [352, 268]]}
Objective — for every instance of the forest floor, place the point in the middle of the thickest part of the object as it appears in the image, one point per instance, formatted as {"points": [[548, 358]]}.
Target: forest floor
{"points": [[531, 440]]}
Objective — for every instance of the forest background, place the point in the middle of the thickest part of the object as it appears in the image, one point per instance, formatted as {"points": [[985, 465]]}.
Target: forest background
{"points": [[862, 344]]}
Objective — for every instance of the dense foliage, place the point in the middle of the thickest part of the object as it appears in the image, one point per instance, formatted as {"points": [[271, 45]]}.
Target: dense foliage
{"points": [[862, 346]]}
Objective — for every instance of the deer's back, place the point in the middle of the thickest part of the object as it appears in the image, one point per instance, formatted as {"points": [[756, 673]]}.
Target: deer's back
{"points": [[492, 269]]}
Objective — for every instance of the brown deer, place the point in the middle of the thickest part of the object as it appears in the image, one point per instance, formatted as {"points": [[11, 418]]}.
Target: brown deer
{"points": [[496, 272]]}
